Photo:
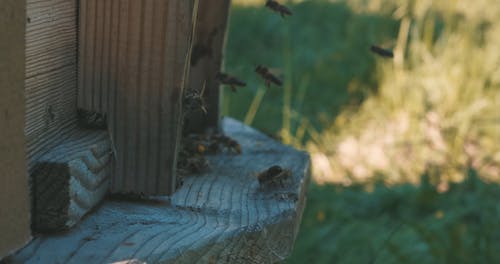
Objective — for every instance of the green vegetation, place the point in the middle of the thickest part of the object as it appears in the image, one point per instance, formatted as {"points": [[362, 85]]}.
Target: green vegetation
{"points": [[403, 224], [409, 148]]}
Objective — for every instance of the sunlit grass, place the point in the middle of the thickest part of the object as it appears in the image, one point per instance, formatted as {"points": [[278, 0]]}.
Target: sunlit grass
{"points": [[408, 148], [438, 108]]}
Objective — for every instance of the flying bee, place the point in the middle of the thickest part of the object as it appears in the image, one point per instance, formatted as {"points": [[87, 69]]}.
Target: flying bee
{"points": [[268, 76], [227, 79], [274, 176], [278, 8], [382, 52]]}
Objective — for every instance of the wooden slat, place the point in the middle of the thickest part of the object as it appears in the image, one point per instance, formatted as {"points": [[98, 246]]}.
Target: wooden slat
{"points": [[14, 195], [136, 77], [50, 35], [70, 180], [222, 216], [60, 196], [206, 60], [50, 86]]}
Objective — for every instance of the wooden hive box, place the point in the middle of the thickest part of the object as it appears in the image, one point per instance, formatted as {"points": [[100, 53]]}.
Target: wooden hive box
{"points": [[103, 88], [133, 63]]}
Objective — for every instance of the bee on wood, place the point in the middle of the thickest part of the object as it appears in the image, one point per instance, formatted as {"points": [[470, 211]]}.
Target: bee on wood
{"points": [[193, 101], [233, 146], [278, 8], [89, 119], [382, 52], [194, 144], [203, 48], [268, 76], [274, 176], [227, 143], [227, 79], [189, 163]]}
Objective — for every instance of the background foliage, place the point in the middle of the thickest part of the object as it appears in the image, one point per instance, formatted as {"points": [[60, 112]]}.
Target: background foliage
{"points": [[405, 151]]}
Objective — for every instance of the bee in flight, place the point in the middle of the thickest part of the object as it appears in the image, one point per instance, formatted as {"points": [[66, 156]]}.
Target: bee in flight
{"points": [[278, 8], [382, 52], [273, 176], [227, 79], [268, 76]]}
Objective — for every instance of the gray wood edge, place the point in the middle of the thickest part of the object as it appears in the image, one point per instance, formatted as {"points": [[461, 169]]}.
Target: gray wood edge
{"points": [[71, 180], [221, 216]]}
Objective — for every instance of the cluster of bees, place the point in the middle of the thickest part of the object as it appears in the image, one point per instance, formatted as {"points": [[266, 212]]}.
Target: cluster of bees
{"points": [[192, 158], [194, 148]]}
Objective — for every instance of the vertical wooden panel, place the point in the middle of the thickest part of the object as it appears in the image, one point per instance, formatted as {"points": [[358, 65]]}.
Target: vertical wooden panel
{"points": [[138, 83], [14, 198], [206, 61], [50, 85]]}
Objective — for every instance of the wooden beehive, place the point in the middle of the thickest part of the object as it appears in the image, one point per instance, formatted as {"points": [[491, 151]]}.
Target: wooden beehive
{"points": [[133, 63], [108, 87]]}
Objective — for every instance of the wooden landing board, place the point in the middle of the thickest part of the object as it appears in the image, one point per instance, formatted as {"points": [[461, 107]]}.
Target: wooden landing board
{"points": [[50, 84], [14, 195], [206, 61], [70, 180], [222, 216], [133, 58]]}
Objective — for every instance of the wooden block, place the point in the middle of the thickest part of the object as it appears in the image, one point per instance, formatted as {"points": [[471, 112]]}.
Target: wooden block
{"points": [[79, 177], [70, 180], [222, 216], [206, 60], [14, 196], [132, 66]]}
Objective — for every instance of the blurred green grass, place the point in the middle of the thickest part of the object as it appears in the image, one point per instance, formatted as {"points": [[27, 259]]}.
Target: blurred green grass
{"points": [[411, 145], [322, 51], [404, 224]]}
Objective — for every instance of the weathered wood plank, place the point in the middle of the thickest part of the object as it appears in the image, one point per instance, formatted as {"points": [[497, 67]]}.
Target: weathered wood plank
{"points": [[137, 83], [222, 216], [50, 35], [70, 180], [206, 60], [50, 86], [60, 198], [14, 196]]}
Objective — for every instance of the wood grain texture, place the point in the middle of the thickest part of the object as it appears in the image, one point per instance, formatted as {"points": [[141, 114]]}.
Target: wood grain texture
{"points": [[70, 180], [222, 216], [14, 195], [50, 85], [206, 60], [133, 60]]}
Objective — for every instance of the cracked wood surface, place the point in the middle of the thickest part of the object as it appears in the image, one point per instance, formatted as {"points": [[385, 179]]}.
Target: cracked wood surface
{"points": [[221, 216]]}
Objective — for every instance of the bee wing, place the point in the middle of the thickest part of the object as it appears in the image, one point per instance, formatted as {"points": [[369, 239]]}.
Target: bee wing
{"points": [[276, 81], [276, 71]]}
